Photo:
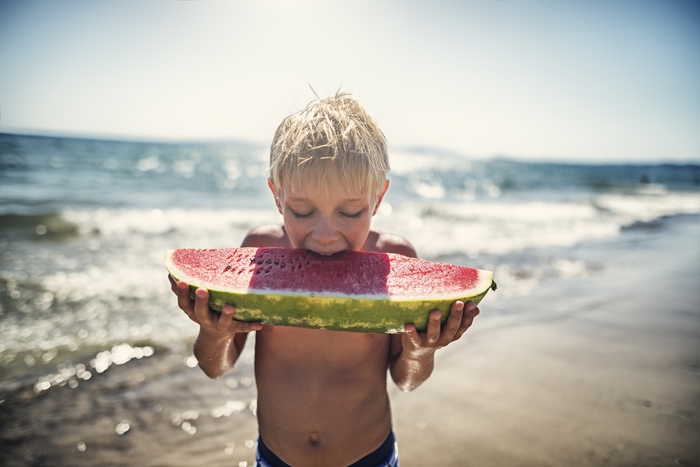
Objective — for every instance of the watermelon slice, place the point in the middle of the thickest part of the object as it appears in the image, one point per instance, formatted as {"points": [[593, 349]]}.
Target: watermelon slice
{"points": [[348, 291]]}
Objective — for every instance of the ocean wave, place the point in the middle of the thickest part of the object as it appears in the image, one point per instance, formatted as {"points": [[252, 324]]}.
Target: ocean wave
{"points": [[507, 225], [176, 223], [37, 226], [496, 226], [647, 207]]}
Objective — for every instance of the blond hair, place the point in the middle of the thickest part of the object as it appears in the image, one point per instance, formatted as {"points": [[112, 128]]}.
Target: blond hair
{"points": [[331, 137]]}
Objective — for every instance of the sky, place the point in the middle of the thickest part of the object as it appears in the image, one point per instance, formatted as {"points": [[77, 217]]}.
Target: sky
{"points": [[580, 80]]}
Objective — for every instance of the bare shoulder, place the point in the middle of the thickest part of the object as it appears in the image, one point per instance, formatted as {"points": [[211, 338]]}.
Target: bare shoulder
{"points": [[383, 242], [272, 235]]}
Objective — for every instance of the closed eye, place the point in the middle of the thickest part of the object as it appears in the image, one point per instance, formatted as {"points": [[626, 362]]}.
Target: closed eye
{"points": [[301, 216], [356, 215]]}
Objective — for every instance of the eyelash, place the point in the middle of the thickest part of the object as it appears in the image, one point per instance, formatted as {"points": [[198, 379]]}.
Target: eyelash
{"points": [[301, 216], [356, 215]]}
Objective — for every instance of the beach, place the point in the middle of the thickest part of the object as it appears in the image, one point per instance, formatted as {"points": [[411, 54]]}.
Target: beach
{"points": [[587, 354], [595, 371], [600, 370]]}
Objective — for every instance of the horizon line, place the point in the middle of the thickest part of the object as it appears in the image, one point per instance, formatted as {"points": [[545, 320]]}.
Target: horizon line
{"points": [[410, 148]]}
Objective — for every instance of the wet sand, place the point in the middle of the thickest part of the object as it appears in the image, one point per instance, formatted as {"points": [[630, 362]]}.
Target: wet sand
{"points": [[595, 371], [601, 370]]}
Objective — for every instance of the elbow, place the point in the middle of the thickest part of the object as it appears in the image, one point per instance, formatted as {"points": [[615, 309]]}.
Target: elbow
{"points": [[212, 366], [406, 386], [210, 373], [409, 377], [213, 373], [406, 383]]}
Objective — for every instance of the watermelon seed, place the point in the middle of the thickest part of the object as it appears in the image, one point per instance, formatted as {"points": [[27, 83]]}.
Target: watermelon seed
{"points": [[269, 261], [228, 268], [260, 261], [277, 263], [282, 265], [252, 260]]}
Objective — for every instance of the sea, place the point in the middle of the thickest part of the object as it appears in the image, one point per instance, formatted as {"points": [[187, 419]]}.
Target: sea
{"points": [[93, 348]]}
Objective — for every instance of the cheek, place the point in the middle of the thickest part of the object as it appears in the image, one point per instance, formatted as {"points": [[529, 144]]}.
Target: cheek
{"points": [[356, 233], [291, 223], [296, 228]]}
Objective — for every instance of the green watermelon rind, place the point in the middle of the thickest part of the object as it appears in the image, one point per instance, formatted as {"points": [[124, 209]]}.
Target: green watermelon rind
{"points": [[334, 313], [368, 314]]}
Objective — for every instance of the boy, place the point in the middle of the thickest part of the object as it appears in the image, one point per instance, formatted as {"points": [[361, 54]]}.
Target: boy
{"points": [[322, 396]]}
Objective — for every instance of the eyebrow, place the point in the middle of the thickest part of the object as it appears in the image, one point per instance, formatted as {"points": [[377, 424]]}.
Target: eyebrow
{"points": [[347, 200]]}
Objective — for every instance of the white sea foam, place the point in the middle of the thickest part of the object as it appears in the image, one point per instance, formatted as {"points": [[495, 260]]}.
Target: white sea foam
{"points": [[501, 227], [179, 225], [650, 205], [124, 247]]}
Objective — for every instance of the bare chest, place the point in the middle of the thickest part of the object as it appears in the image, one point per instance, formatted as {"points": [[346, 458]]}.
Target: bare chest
{"points": [[331, 349]]}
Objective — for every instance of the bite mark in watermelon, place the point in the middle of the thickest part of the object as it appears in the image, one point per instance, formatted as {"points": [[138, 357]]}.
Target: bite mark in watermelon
{"points": [[348, 291]]}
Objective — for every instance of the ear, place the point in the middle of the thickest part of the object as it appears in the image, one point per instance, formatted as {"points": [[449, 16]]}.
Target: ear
{"points": [[381, 196], [274, 194]]}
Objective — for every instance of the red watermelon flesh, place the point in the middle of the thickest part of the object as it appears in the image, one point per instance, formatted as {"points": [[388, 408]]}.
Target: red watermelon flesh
{"points": [[347, 273], [348, 281]]}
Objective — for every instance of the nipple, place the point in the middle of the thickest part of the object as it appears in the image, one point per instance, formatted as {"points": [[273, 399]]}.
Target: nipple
{"points": [[314, 438]]}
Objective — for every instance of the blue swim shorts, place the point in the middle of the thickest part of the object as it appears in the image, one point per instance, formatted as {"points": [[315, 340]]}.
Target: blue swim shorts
{"points": [[386, 455]]}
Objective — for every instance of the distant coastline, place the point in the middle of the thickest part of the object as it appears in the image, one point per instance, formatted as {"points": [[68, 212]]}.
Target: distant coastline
{"points": [[410, 149]]}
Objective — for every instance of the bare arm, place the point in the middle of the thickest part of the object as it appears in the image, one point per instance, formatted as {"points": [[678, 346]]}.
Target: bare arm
{"points": [[221, 338], [412, 357], [409, 371], [217, 355], [413, 353]]}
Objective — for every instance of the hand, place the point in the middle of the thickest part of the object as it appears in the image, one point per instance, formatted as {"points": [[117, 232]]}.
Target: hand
{"points": [[436, 336], [220, 324]]}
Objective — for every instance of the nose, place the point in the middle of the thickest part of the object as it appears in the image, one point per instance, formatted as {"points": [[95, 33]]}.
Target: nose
{"points": [[324, 232]]}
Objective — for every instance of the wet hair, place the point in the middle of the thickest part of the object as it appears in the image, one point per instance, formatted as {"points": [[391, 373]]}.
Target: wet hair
{"points": [[332, 140]]}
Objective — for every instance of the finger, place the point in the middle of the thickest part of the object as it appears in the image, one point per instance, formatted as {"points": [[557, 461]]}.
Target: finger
{"points": [[173, 284], [228, 323], [201, 304], [226, 317], [454, 321], [470, 312], [183, 297], [411, 334], [247, 326], [433, 331]]}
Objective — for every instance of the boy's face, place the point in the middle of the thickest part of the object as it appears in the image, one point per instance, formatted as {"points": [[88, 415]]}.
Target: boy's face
{"points": [[326, 221]]}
